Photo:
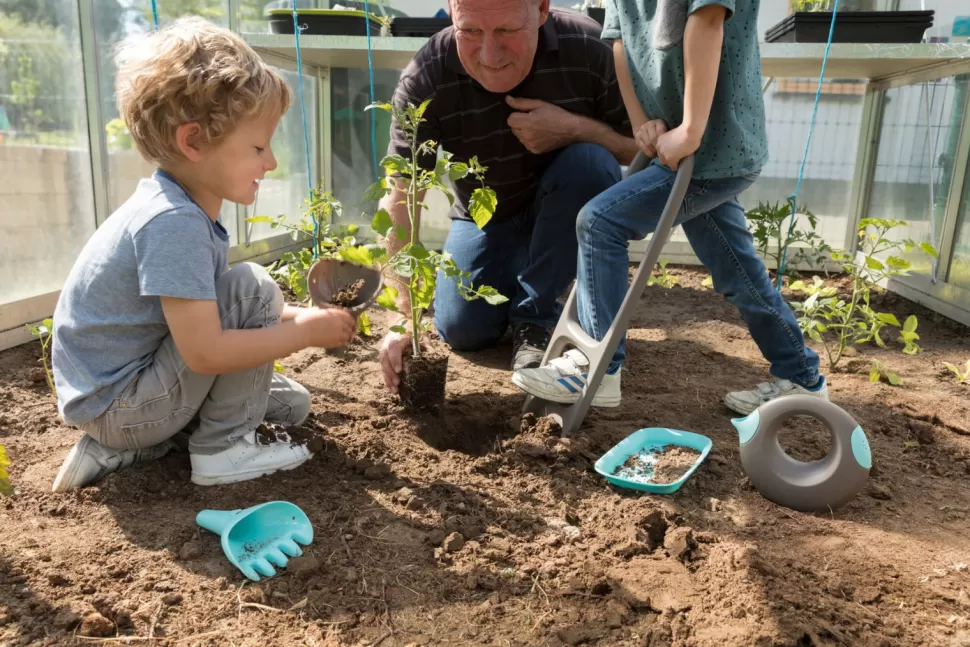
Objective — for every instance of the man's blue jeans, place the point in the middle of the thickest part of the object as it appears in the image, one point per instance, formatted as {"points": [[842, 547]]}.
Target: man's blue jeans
{"points": [[529, 257], [715, 225]]}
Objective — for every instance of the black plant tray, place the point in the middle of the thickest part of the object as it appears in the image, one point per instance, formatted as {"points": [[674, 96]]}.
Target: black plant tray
{"points": [[418, 27], [324, 22], [852, 27]]}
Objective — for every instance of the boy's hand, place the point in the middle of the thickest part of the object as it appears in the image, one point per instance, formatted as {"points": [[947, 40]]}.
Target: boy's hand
{"points": [[648, 134], [674, 146], [326, 327]]}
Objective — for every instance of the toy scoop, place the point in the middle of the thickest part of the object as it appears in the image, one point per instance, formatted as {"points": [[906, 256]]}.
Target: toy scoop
{"points": [[256, 538], [334, 282]]}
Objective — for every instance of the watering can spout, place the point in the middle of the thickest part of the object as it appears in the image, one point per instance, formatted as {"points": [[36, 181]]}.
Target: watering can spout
{"points": [[216, 521], [747, 426]]}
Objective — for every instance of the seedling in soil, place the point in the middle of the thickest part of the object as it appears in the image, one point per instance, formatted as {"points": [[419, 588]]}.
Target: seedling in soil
{"points": [[5, 487], [963, 377], [44, 332], [767, 222], [664, 279], [414, 267], [879, 371], [836, 322]]}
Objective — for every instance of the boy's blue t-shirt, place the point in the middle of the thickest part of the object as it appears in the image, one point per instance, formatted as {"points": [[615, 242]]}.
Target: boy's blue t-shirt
{"points": [[735, 143], [108, 322]]}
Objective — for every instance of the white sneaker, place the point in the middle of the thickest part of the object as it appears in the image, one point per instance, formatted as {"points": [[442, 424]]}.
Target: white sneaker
{"points": [[744, 402], [248, 459], [89, 461], [563, 380]]}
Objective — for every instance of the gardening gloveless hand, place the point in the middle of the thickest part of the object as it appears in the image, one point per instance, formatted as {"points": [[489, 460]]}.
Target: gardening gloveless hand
{"points": [[541, 126], [674, 145], [326, 327], [392, 358], [647, 135]]}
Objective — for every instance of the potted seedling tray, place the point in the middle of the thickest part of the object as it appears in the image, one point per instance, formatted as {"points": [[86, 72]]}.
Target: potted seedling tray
{"points": [[655, 460], [852, 27], [324, 22], [418, 27]]}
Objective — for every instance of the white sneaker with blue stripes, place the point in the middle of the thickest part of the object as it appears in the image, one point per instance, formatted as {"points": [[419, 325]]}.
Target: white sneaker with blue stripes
{"points": [[563, 380]]}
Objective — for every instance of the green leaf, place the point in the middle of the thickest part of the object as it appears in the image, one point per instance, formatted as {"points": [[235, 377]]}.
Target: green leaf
{"points": [[874, 374], [491, 295], [416, 251], [261, 219], [953, 369], [887, 318], [396, 164], [5, 487], [898, 263], [874, 263], [363, 324], [359, 255], [481, 206], [278, 367], [708, 283], [457, 171], [894, 379], [399, 329], [814, 334], [424, 106], [48, 324], [928, 248], [388, 298], [386, 107], [400, 233], [911, 323], [376, 191], [381, 222]]}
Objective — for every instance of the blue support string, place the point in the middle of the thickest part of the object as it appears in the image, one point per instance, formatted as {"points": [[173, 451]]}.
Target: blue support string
{"points": [[793, 198], [306, 132], [155, 13], [370, 70]]}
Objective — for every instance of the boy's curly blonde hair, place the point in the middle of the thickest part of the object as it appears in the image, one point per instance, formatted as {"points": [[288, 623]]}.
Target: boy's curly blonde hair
{"points": [[192, 71]]}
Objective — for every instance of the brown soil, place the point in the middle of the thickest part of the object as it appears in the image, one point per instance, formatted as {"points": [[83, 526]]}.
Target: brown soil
{"points": [[457, 528], [660, 466], [423, 381], [672, 463], [347, 296]]}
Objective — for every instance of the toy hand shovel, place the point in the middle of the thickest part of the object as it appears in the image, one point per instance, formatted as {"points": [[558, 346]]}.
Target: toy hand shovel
{"points": [[256, 538], [334, 282]]}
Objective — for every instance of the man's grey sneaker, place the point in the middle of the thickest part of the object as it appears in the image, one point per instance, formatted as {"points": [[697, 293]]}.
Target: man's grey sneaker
{"points": [[90, 461], [563, 380], [529, 343], [744, 402]]}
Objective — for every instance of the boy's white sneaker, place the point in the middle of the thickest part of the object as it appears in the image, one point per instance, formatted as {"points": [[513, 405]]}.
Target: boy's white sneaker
{"points": [[248, 459], [744, 402], [89, 461], [563, 380]]}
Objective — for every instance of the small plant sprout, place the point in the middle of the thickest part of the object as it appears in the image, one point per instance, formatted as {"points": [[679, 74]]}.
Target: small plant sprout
{"points": [[664, 279], [773, 239], [44, 332], [838, 322], [5, 487], [879, 371], [963, 377], [415, 268]]}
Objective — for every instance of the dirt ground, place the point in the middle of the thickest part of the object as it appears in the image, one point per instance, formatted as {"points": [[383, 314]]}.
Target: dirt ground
{"points": [[458, 528]]}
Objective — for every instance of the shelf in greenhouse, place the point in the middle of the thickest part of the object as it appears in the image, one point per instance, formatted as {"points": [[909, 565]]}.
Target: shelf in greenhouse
{"points": [[792, 60]]}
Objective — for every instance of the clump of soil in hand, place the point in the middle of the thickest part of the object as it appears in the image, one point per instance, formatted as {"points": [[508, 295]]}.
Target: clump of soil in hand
{"points": [[423, 381], [664, 465], [347, 296]]}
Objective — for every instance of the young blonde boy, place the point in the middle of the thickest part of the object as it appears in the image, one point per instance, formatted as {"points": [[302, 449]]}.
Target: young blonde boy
{"points": [[690, 75], [155, 335]]}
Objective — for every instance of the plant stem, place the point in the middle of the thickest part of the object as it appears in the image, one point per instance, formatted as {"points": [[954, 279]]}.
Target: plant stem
{"points": [[412, 208], [47, 370]]}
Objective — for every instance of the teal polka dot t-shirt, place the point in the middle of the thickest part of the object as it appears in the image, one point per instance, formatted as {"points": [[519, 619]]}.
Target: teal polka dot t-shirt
{"points": [[735, 143]]}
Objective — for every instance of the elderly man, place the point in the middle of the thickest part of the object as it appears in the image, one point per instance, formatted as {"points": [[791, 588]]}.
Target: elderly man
{"points": [[532, 92]]}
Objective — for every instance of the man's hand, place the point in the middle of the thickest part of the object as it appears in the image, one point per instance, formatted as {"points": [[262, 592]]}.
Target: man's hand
{"points": [[675, 145], [648, 134], [326, 327], [392, 358], [542, 126]]}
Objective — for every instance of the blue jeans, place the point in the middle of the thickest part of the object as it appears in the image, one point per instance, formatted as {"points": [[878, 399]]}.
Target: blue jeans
{"points": [[530, 257], [715, 225]]}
